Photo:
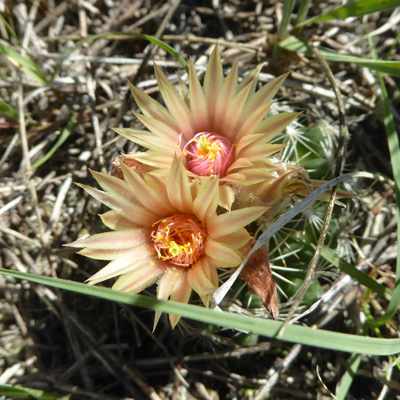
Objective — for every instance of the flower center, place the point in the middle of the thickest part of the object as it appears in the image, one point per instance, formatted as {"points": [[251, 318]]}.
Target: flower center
{"points": [[179, 239], [209, 154]]}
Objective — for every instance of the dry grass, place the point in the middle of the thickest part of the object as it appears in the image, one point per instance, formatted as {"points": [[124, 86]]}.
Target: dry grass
{"points": [[93, 349]]}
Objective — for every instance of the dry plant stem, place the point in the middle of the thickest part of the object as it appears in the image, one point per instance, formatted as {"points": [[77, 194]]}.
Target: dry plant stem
{"points": [[91, 91], [338, 169], [275, 372], [27, 161], [29, 24], [150, 52]]}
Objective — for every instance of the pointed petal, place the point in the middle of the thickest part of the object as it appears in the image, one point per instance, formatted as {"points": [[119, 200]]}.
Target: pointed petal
{"points": [[115, 221], [255, 152], [133, 260], [198, 280], [131, 211], [236, 177], [276, 124], [181, 293], [252, 76], [213, 80], [176, 105], [239, 163], [166, 285], [147, 196], [178, 188], [206, 201], [264, 95], [147, 139], [155, 159], [230, 222], [250, 139], [226, 196], [115, 187], [224, 97], [115, 240], [210, 272], [140, 278], [237, 239], [252, 120], [233, 112], [198, 105], [159, 128], [222, 255], [151, 107]]}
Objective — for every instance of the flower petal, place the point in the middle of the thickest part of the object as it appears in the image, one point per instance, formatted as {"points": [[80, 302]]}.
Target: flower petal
{"points": [[230, 222], [225, 97], [256, 151], [222, 255], [226, 196], [166, 285], [252, 76], [237, 239], [198, 280], [131, 211], [233, 112], [176, 105], [151, 107], [181, 293], [276, 124], [115, 240], [140, 278], [147, 139], [113, 220], [198, 105], [252, 120], [206, 201], [159, 128], [147, 196], [213, 82], [129, 262], [264, 95], [178, 187]]}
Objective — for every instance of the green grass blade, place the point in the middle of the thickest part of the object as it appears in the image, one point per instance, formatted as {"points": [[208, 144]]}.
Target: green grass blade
{"points": [[288, 6], [394, 363], [347, 379], [269, 328], [8, 111], [8, 27], [355, 8], [20, 392], [298, 46], [115, 35], [394, 150], [29, 66], [63, 137], [359, 276]]}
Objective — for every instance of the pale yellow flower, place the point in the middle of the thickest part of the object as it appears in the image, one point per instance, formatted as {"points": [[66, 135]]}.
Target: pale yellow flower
{"points": [[166, 232], [219, 128]]}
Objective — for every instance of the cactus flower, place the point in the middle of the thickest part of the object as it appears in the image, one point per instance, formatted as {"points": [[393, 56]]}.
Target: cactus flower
{"points": [[219, 128], [167, 232]]}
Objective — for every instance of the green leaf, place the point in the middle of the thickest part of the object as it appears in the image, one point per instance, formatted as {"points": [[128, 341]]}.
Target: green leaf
{"points": [[298, 46], [354, 9], [8, 111], [28, 393], [358, 275], [63, 137], [394, 150], [347, 379], [269, 328], [29, 66]]}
